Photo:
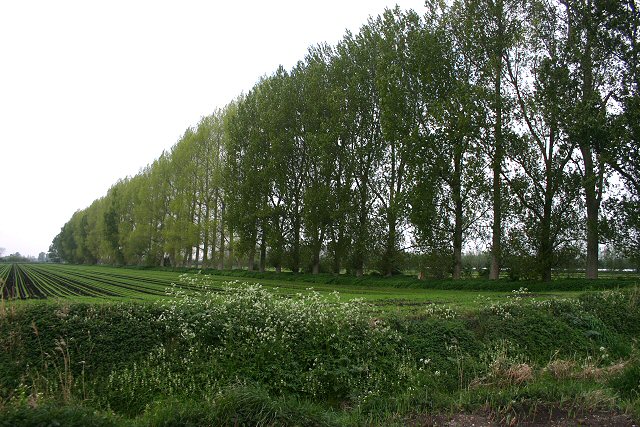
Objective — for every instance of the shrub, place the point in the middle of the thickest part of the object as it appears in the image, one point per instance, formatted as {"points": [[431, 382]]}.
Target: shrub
{"points": [[305, 345], [627, 382], [55, 415], [253, 406], [618, 309], [538, 333], [96, 339], [441, 346], [240, 354]]}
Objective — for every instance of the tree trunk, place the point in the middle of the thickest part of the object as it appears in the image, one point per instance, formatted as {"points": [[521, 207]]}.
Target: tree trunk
{"points": [[337, 267], [496, 240], [295, 256], [545, 255], [188, 255], [251, 260], [263, 251], [252, 252], [456, 189], [214, 233], [593, 208], [362, 232], [316, 252], [546, 250], [338, 250], [189, 249], [391, 247], [198, 236], [389, 262], [231, 255], [205, 242], [221, 253], [590, 179]]}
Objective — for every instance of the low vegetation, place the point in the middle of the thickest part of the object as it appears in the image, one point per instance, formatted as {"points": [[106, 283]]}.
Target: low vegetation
{"points": [[240, 353]]}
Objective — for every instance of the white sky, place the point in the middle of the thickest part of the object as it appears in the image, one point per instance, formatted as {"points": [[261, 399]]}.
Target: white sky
{"points": [[92, 91]]}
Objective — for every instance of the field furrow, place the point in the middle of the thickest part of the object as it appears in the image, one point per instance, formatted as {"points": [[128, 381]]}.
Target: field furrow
{"points": [[40, 281]]}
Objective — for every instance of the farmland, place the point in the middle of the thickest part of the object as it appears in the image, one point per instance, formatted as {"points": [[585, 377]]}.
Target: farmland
{"points": [[93, 283], [73, 282], [40, 281]]}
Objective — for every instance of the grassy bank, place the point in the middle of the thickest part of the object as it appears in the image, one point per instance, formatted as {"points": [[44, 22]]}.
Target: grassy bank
{"points": [[245, 354]]}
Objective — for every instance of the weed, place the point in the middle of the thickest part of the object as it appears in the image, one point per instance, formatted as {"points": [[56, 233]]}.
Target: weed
{"points": [[560, 368], [626, 381], [60, 361], [505, 365]]}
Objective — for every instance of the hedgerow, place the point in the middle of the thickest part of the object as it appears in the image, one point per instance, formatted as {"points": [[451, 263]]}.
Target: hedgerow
{"points": [[306, 354]]}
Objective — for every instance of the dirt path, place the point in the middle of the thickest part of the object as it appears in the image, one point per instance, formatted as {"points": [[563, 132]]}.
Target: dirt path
{"points": [[556, 418]]}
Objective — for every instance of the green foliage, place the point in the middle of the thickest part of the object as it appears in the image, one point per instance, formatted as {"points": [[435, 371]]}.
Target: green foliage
{"points": [[78, 341], [55, 415], [438, 340], [412, 282], [627, 382], [539, 334], [253, 405], [303, 345], [235, 405], [619, 310], [595, 321], [543, 401], [380, 146], [187, 413]]}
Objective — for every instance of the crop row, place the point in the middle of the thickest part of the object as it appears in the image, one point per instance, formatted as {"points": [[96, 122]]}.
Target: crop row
{"points": [[4, 274], [39, 281]]}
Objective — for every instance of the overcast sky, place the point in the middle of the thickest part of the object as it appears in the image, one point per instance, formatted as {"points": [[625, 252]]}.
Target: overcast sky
{"points": [[92, 91]]}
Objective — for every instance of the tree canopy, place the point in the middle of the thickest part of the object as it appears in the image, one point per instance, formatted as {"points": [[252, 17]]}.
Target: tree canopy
{"points": [[508, 126]]}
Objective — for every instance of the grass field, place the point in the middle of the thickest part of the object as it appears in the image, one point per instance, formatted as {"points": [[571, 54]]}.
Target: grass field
{"points": [[122, 346]]}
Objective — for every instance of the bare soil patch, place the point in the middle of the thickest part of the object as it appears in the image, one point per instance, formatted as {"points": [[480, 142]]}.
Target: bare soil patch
{"points": [[549, 417]]}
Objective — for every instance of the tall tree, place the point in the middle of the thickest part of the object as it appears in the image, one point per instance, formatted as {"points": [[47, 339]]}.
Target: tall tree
{"points": [[624, 155], [398, 91], [590, 46], [249, 183], [541, 173], [278, 111], [448, 168], [359, 55], [494, 25], [318, 126], [343, 191]]}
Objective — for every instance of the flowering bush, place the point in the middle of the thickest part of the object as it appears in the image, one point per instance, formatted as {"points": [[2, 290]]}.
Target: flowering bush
{"points": [[303, 344]]}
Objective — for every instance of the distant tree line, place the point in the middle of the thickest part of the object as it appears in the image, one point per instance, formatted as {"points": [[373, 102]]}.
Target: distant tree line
{"points": [[17, 257], [506, 125]]}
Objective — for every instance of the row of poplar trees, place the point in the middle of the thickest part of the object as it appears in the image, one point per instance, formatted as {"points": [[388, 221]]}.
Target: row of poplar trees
{"points": [[510, 125]]}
